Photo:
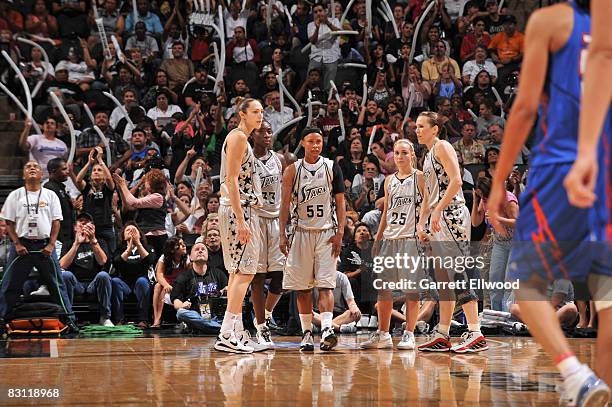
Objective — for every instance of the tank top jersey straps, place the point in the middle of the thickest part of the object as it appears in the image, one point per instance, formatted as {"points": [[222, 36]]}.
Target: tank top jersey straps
{"points": [[270, 171], [437, 180], [313, 204], [249, 184], [557, 128], [404, 206]]}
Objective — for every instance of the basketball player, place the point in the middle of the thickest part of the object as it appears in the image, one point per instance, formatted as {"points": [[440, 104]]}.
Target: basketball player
{"points": [[548, 223], [401, 210], [449, 219], [314, 188], [239, 224], [596, 99], [270, 167]]}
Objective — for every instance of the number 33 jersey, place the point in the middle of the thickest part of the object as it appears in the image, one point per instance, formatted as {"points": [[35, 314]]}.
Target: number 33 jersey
{"points": [[270, 173], [314, 187]]}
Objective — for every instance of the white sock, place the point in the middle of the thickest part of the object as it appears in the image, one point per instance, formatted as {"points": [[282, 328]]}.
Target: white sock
{"points": [[384, 334], [238, 325], [569, 366], [229, 321], [474, 327], [268, 314], [444, 329], [409, 333], [306, 322], [326, 319], [260, 327]]}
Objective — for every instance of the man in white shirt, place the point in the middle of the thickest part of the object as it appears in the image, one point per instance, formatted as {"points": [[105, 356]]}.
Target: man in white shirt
{"points": [[325, 50], [117, 114], [273, 113], [480, 63], [32, 214], [235, 18]]}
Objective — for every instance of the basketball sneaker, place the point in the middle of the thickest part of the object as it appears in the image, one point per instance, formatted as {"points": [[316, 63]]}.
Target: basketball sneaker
{"points": [[227, 342], [471, 341], [584, 389], [407, 341], [378, 340], [307, 344], [328, 339], [265, 337], [244, 336], [436, 342]]}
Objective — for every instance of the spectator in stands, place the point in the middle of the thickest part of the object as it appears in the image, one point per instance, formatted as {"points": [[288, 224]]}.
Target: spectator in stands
{"points": [[80, 66], [85, 262], [89, 138], [143, 41], [325, 49], [151, 207], [353, 163], [431, 43], [198, 88], [412, 83], [112, 20], [71, 17], [491, 157], [193, 289], [487, 118], [278, 62], [179, 69], [507, 48], [162, 112], [5, 243], [364, 192], [243, 54], [299, 24], [273, 113], [561, 295], [215, 254], [471, 151], [346, 312], [58, 174], [42, 147], [10, 19], [480, 62], [170, 265], [32, 215], [494, 21], [149, 19], [447, 83], [174, 31], [475, 39], [98, 195], [356, 258], [430, 71], [132, 261]]}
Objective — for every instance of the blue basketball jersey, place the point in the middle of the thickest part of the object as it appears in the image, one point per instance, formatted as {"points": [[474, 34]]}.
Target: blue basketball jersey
{"points": [[557, 128]]}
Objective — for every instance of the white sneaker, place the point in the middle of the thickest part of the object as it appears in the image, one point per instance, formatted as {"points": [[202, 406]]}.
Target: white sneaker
{"points": [[42, 290], [471, 342], [378, 340], [583, 388], [328, 339], [106, 322], [264, 337], [407, 342], [373, 322], [348, 328], [246, 339], [227, 342]]}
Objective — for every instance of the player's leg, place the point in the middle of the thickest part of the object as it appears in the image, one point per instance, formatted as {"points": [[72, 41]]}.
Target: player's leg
{"points": [[567, 315], [263, 336], [275, 265], [439, 340], [412, 310], [304, 304], [603, 350], [274, 295], [325, 281], [381, 339]]}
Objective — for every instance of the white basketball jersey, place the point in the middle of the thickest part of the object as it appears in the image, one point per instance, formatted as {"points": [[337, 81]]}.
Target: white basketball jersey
{"points": [[249, 184], [404, 205], [313, 204], [437, 181], [270, 170]]}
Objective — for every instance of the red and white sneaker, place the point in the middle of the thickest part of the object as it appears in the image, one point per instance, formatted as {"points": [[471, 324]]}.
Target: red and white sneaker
{"points": [[471, 342], [436, 342]]}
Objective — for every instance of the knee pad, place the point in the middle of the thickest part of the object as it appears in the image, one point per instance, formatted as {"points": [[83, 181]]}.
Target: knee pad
{"points": [[276, 282]]}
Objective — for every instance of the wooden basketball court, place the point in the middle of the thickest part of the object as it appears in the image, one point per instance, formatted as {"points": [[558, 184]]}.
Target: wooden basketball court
{"points": [[186, 371]]}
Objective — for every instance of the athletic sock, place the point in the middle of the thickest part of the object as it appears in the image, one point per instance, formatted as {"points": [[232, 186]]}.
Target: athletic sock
{"points": [[238, 327], [569, 366], [306, 322], [326, 319], [474, 327], [229, 322], [268, 314], [260, 327], [444, 329]]}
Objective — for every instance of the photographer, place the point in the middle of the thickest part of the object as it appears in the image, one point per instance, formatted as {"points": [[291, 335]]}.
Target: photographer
{"points": [[152, 160], [193, 289]]}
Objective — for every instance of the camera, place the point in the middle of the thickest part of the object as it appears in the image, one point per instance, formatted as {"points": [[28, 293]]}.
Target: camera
{"points": [[154, 162]]}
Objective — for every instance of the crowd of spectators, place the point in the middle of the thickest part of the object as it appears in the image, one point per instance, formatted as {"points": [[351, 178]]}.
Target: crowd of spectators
{"points": [[145, 206]]}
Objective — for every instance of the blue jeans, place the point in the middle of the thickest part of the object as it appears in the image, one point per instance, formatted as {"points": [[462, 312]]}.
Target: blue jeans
{"points": [[120, 289], [194, 320], [16, 274], [500, 254], [108, 235], [100, 286]]}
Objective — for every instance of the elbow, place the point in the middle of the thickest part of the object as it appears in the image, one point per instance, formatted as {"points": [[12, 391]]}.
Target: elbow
{"points": [[525, 112]]}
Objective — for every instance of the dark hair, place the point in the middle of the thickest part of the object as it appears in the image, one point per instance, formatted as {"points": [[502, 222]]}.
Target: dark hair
{"points": [[434, 119], [55, 164], [484, 185], [309, 130], [169, 250], [143, 238], [479, 20], [358, 225], [139, 130], [187, 184], [467, 123], [372, 159], [178, 43]]}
